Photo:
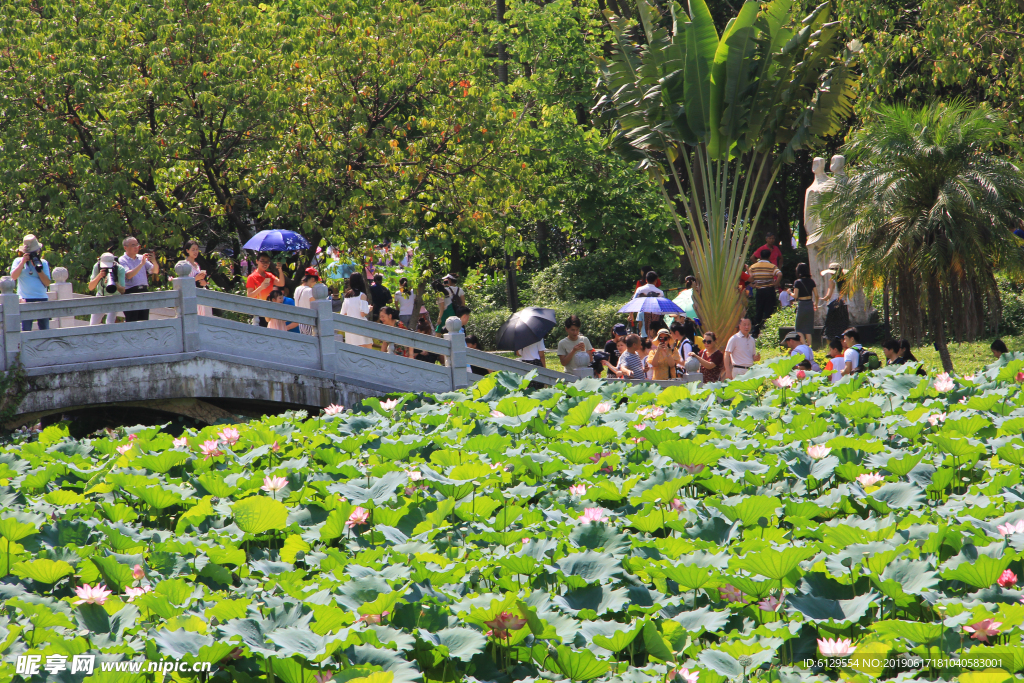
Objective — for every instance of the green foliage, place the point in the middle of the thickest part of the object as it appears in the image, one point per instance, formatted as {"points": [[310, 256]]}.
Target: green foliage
{"points": [[597, 317]]}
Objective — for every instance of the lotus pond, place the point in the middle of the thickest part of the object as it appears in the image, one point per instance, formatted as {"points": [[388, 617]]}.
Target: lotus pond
{"points": [[775, 528]]}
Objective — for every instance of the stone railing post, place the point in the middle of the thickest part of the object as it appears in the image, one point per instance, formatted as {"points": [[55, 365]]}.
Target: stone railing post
{"points": [[62, 290], [456, 359], [10, 309], [324, 327], [188, 310]]}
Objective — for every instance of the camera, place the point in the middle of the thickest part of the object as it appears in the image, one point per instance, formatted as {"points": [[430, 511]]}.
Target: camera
{"points": [[111, 280], [37, 262]]}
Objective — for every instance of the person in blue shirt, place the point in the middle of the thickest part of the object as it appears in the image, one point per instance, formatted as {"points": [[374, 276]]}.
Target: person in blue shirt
{"points": [[33, 275]]}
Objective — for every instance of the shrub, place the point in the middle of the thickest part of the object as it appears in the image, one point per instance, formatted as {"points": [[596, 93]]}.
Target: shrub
{"points": [[597, 317], [598, 275], [1012, 322], [782, 317]]}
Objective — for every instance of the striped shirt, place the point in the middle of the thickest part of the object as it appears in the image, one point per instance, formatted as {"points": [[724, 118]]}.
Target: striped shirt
{"points": [[633, 364], [762, 274]]}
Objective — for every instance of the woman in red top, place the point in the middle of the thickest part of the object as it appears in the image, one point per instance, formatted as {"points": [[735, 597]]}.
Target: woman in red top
{"points": [[711, 359], [643, 278]]}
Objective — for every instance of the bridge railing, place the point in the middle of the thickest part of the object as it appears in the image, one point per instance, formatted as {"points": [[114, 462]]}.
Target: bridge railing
{"points": [[194, 329]]}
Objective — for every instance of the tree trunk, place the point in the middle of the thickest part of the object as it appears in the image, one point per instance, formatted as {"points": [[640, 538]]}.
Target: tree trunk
{"points": [[511, 286], [885, 307], [937, 323]]}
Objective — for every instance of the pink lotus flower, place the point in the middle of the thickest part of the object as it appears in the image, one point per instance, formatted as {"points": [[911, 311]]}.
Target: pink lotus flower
{"points": [[641, 427], [801, 375], [132, 437], [503, 623], [358, 517], [840, 647], [936, 419], [1007, 579], [677, 505], [273, 484], [229, 435], [687, 675], [770, 604], [783, 382], [870, 479], [1012, 528], [372, 618], [276, 447], [577, 489], [983, 629], [124, 449], [592, 515], [326, 677], [210, 448], [389, 405], [133, 593], [334, 409], [962, 401], [1020, 377], [943, 383], [818, 451], [732, 593], [603, 407], [693, 469], [414, 475], [497, 413], [137, 572], [95, 595], [607, 469], [969, 378], [181, 442]]}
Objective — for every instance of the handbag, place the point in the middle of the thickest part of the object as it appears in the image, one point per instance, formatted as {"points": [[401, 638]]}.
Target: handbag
{"points": [[691, 364]]}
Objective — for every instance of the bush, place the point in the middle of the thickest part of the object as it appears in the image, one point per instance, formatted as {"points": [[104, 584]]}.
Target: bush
{"points": [[1012, 297], [597, 317], [782, 317], [598, 275]]}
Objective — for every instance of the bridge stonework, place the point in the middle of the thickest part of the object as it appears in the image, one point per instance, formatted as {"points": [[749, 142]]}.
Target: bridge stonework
{"points": [[183, 362]]}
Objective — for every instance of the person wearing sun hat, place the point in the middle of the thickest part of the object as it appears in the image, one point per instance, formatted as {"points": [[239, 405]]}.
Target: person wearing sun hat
{"points": [[106, 263], [32, 272], [837, 316]]}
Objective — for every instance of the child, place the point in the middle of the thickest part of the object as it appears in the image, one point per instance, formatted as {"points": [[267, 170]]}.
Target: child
{"points": [[836, 363], [786, 295], [631, 366], [277, 297]]}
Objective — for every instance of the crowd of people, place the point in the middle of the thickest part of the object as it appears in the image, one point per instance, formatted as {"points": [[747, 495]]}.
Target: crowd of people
{"points": [[647, 346]]}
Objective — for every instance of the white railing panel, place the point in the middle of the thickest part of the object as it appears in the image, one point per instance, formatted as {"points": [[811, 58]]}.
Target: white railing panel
{"points": [[248, 306], [100, 342], [417, 340], [251, 341], [405, 373], [490, 361], [99, 304]]}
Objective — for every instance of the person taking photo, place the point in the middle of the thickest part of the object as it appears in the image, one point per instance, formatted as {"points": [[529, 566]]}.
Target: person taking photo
{"points": [[108, 277], [32, 272]]}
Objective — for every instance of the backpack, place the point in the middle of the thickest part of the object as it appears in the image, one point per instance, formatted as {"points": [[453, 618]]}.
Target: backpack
{"points": [[868, 360]]}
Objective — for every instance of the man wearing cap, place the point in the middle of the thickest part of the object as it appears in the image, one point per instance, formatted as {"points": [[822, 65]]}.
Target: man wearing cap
{"points": [[796, 346], [100, 270], [32, 272], [740, 353], [611, 348], [136, 278]]}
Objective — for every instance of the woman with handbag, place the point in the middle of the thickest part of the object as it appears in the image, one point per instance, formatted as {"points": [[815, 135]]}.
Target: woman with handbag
{"points": [[805, 304], [837, 319]]}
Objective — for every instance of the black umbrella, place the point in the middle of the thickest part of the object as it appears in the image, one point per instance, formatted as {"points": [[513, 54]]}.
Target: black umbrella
{"points": [[525, 327]]}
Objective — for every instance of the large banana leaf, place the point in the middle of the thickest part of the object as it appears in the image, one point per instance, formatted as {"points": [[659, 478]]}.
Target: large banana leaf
{"points": [[713, 118]]}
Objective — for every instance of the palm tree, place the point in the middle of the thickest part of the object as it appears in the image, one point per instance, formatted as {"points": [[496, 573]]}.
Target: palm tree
{"points": [[929, 206], [713, 118]]}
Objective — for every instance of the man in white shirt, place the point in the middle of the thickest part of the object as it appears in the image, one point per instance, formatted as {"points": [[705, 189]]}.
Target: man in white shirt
{"points": [[533, 354], [650, 287], [851, 351], [740, 352], [796, 347]]}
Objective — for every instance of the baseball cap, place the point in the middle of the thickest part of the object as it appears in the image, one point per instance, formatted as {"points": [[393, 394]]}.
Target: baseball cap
{"points": [[664, 332], [792, 336], [620, 330], [107, 260]]}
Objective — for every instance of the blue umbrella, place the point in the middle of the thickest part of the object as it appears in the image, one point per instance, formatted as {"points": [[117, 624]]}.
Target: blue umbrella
{"points": [[277, 240], [650, 304]]}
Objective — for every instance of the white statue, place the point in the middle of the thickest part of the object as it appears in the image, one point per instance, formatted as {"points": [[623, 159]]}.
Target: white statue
{"points": [[813, 227], [856, 302]]}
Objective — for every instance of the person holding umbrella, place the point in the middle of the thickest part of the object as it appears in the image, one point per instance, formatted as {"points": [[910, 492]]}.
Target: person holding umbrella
{"points": [[524, 333], [262, 281]]}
